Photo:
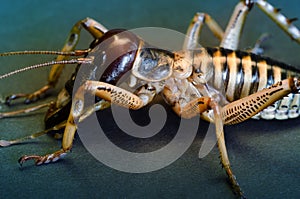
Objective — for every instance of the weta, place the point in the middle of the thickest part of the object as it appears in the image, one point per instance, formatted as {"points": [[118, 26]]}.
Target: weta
{"points": [[221, 84]]}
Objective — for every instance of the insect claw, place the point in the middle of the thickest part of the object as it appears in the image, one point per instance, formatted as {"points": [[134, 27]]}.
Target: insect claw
{"points": [[25, 158], [12, 97], [21, 161], [8, 99], [40, 160]]}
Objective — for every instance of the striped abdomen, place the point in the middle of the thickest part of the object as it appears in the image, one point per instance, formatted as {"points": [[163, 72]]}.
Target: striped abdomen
{"points": [[240, 74], [243, 73]]}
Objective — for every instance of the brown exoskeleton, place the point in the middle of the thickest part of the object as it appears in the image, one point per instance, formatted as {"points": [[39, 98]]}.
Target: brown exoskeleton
{"points": [[190, 80]]}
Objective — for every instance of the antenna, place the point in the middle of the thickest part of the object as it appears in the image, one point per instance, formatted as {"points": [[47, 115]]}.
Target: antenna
{"points": [[71, 61], [46, 52]]}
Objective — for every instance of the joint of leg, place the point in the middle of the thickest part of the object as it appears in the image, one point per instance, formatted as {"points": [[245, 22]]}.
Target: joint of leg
{"points": [[249, 3], [77, 108], [200, 17]]}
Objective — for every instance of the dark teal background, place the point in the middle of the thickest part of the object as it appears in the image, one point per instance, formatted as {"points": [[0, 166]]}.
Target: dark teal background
{"points": [[264, 154]]}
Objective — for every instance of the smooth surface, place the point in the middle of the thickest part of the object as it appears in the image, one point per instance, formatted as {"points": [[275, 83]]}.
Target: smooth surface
{"points": [[264, 154]]}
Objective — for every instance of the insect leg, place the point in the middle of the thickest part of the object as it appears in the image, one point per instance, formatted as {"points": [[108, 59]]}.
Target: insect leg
{"points": [[222, 147], [24, 111], [93, 27], [258, 49], [199, 106], [243, 109], [193, 108], [5, 143], [102, 104], [103, 90], [68, 137], [193, 33], [235, 25], [282, 21]]}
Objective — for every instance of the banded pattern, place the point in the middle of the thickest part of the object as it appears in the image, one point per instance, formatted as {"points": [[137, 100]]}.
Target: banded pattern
{"points": [[243, 73]]}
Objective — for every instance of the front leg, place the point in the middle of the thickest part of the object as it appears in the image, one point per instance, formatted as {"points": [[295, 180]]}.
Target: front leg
{"points": [[78, 112], [68, 137]]}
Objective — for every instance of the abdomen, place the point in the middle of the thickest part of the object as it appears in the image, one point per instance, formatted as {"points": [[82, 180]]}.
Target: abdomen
{"points": [[242, 73]]}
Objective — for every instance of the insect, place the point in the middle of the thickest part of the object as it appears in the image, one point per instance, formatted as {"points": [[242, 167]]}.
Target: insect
{"points": [[190, 88]]}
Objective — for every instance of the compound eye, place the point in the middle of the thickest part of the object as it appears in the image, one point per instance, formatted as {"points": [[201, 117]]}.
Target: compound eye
{"points": [[153, 64]]}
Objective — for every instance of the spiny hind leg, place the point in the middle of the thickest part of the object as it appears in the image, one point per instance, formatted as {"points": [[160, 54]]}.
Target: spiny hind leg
{"points": [[282, 21], [93, 27], [237, 20], [246, 107], [201, 105], [222, 148], [286, 24]]}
